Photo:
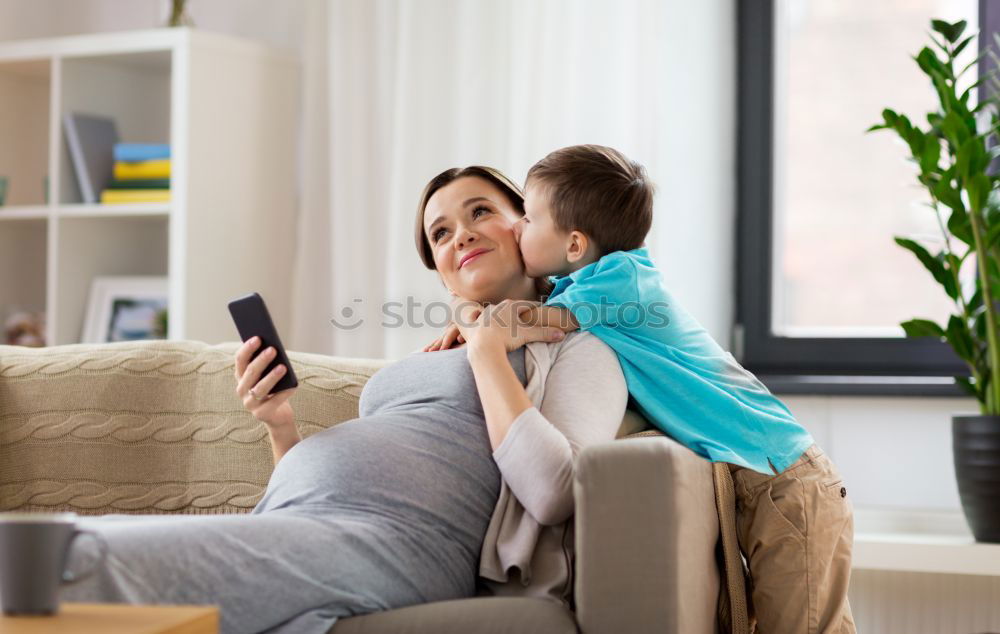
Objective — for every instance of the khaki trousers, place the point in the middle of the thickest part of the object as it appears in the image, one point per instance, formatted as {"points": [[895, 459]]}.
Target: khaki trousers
{"points": [[796, 531]]}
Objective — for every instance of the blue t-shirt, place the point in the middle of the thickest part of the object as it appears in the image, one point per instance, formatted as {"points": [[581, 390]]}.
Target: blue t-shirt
{"points": [[682, 381]]}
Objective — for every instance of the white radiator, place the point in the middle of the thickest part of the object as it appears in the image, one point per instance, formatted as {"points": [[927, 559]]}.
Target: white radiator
{"points": [[924, 603]]}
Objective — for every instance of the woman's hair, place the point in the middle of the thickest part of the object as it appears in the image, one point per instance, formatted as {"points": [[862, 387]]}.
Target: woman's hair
{"points": [[498, 178]]}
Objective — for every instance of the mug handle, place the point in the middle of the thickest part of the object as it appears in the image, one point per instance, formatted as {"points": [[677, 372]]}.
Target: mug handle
{"points": [[68, 577]]}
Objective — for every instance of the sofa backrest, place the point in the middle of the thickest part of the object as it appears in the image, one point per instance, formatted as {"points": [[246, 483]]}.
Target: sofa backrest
{"points": [[153, 426], [148, 426]]}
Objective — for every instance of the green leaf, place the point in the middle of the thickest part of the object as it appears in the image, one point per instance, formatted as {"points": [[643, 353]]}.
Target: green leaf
{"points": [[935, 265], [966, 384], [971, 158], [961, 46], [964, 98], [931, 64], [951, 32], [978, 188], [959, 338], [979, 325], [954, 129], [960, 226], [889, 118], [922, 328], [976, 301], [948, 278], [947, 194]]}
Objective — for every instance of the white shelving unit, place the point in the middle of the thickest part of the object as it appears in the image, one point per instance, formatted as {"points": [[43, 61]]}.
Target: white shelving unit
{"points": [[229, 109]]}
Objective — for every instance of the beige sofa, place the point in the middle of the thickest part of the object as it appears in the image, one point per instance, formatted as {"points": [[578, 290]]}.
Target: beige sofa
{"points": [[156, 427]]}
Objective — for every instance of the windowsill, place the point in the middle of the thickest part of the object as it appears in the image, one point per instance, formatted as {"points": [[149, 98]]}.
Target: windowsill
{"points": [[863, 385]]}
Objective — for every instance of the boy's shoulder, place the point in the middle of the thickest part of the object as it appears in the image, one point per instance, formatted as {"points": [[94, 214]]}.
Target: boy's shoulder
{"points": [[621, 274], [619, 261]]}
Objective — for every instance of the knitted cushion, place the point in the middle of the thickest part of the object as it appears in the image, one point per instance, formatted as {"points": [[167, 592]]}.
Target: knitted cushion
{"points": [[149, 426]]}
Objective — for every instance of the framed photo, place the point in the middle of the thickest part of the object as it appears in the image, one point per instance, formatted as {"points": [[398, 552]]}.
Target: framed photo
{"points": [[126, 309]]}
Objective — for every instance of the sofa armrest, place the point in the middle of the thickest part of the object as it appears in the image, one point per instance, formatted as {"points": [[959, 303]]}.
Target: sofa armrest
{"points": [[646, 534]]}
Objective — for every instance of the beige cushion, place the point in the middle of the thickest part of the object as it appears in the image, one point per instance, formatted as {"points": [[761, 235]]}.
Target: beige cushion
{"points": [[632, 423], [494, 615], [148, 426]]}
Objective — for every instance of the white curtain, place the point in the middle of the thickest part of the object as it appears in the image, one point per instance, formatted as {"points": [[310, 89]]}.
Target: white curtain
{"points": [[399, 90]]}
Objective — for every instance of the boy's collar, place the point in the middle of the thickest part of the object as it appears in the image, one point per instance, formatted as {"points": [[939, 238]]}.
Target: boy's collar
{"points": [[642, 252]]}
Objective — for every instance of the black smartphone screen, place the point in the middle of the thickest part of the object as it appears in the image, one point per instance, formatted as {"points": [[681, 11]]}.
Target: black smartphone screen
{"points": [[252, 320]]}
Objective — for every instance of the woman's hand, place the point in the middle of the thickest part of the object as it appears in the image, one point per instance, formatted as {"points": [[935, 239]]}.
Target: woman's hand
{"points": [[498, 326], [450, 337], [274, 410]]}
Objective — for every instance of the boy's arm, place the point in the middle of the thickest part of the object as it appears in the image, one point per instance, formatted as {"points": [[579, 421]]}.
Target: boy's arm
{"points": [[604, 295], [539, 314]]}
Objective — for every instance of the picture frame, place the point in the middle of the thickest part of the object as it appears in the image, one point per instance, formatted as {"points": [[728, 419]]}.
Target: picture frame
{"points": [[126, 309]]}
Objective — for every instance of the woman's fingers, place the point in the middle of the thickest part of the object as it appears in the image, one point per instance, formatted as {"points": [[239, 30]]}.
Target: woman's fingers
{"points": [[262, 387], [279, 397], [465, 312], [254, 370], [450, 335], [243, 355]]}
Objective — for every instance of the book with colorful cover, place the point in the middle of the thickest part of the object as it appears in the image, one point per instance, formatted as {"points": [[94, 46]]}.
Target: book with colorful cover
{"points": [[133, 152], [157, 168], [112, 196], [90, 140], [139, 183]]}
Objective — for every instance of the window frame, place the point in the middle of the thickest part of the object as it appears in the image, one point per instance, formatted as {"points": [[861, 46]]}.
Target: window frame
{"points": [[808, 365]]}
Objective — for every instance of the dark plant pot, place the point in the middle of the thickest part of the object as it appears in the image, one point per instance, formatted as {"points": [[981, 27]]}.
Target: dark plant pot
{"points": [[976, 445]]}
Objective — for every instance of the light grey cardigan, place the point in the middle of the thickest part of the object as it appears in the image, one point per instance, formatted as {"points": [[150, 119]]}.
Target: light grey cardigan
{"points": [[579, 396]]}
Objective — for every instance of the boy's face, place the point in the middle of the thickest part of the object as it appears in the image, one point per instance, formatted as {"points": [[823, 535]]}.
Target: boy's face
{"points": [[543, 244]]}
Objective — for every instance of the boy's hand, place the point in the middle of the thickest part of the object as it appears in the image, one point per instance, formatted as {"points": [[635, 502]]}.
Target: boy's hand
{"points": [[496, 327], [538, 314]]}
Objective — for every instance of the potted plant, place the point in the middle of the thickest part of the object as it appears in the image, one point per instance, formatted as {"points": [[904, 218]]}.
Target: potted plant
{"points": [[953, 154]]}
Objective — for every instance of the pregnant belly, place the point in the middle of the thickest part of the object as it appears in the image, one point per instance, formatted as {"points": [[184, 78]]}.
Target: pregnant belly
{"points": [[434, 471]]}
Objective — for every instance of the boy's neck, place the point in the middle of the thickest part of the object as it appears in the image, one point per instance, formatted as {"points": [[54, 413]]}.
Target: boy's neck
{"points": [[573, 267]]}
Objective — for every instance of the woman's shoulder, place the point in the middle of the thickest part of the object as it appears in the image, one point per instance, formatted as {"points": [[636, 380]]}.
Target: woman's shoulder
{"points": [[581, 347]]}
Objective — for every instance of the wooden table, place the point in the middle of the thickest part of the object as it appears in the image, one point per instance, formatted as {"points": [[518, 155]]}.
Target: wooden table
{"points": [[115, 618]]}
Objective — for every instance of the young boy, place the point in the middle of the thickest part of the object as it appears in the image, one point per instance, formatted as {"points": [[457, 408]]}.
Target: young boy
{"points": [[588, 210]]}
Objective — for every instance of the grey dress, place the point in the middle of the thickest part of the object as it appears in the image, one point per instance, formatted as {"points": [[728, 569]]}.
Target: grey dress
{"points": [[383, 511]]}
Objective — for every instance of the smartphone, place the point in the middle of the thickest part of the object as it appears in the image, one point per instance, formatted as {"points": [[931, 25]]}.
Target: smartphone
{"points": [[252, 320]]}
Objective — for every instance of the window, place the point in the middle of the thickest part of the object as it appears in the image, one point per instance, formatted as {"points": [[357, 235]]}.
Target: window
{"points": [[822, 286]]}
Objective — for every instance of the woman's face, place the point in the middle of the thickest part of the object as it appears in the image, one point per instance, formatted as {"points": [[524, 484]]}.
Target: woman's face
{"points": [[469, 225]]}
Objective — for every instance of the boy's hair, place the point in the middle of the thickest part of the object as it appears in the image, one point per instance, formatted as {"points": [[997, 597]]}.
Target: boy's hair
{"points": [[599, 191]]}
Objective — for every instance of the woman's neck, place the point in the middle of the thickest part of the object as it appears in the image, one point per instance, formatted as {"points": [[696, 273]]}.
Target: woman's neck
{"points": [[522, 288]]}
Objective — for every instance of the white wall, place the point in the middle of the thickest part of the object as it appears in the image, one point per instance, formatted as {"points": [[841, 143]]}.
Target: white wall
{"points": [[277, 23], [693, 237], [894, 452]]}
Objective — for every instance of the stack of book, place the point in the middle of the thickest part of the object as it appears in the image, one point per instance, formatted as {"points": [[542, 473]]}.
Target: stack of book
{"points": [[141, 174]]}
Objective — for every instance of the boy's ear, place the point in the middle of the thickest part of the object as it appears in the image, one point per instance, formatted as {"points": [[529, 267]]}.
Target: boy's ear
{"points": [[577, 247]]}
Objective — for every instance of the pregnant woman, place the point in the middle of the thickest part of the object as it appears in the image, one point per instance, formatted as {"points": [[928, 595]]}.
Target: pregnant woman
{"points": [[457, 468]]}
